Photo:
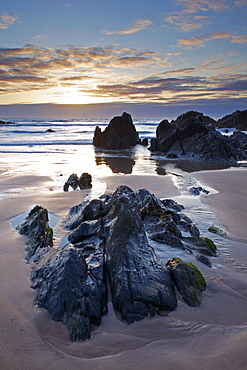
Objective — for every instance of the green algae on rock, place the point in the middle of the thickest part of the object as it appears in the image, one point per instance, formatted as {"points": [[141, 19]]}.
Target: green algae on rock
{"points": [[188, 280], [36, 228]]}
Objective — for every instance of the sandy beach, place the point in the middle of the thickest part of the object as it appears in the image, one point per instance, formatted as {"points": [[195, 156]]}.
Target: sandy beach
{"points": [[212, 336]]}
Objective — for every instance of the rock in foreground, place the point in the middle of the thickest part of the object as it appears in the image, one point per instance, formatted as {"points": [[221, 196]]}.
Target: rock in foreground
{"points": [[111, 244], [119, 134], [36, 228], [188, 280]]}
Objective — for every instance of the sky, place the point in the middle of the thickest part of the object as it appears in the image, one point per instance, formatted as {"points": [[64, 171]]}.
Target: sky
{"points": [[175, 54]]}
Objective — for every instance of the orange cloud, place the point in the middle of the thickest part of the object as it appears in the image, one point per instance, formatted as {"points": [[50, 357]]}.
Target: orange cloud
{"points": [[239, 39], [199, 41], [7, 20], [138, 25]]}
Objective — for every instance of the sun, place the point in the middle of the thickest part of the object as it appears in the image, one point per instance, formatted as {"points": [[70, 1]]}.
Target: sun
{"points": [[73, 96]]}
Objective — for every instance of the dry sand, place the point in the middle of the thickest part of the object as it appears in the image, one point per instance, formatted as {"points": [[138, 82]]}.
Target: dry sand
{"points": [[213, 336]]}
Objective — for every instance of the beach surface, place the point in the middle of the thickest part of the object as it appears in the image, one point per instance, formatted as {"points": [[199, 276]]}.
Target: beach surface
{"points": [[212, 336]]}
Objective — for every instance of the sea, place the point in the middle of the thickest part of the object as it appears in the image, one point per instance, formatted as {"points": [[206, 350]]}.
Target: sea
{"points": [[58, 148], [61, 147]]}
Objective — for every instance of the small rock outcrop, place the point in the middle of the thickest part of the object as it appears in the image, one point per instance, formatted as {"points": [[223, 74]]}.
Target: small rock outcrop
{"points": [[188, 280], [119, 134], [236, 120], [36, 228], [84, 182], [6, 123], [193, 139], [193, 114], [112, 242]]}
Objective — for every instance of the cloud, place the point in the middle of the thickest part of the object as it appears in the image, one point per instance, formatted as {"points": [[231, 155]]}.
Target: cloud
{"points": [[138, 25], [128, 62], [240, 2], [7, 20], [187, 23], [92, 70], [193, 6], [40, 37], [194, 14], [239, 39], [22, 67], [199, 41]]}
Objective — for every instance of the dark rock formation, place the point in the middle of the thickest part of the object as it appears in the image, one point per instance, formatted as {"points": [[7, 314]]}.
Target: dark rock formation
{"points": [[72, 181], [188, 280], [111, 242], [193, 114], [36, 228], [239, 139], [137, 278], [236, 120], [144, 142], [197, 190], [203, 259], [70, 291], [6, 123], [84, 182], [119, 134], [192, 138]]}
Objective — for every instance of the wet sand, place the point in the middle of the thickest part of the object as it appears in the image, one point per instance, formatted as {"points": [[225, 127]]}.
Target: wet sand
{"points": [[212, 336], [230, 204]]}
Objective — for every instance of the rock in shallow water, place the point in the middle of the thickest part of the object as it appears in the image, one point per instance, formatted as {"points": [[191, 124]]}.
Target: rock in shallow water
{"points": [[119, 134]]}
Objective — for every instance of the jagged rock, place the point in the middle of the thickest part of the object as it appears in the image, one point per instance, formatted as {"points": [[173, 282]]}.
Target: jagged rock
{"points": [[85, 181], [205, 119], [192, 138], [36, 228], [72, 181], [84, 230], [144, 142], [203, 245], [137, 278], [188, 280], [168, 238], [239, 139], [237, 119], [193, 230], [69, 290], [119, 134], [110, 245], [197, 190]]}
